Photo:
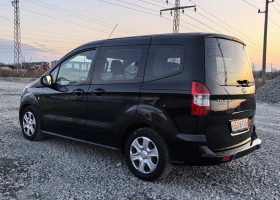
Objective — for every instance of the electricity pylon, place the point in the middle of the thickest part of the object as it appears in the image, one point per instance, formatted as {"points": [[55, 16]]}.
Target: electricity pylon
{"points": [[176, 18], [17, 36]]}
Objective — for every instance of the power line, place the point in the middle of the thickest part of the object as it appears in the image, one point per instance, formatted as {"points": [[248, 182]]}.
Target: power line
{"points": [[261, 51], [192, 25], [56, 41], [128, 8], [253, 43], [164, 2], [64, 20], [176, 18], [218, 31], [48, 36], [256, 44], [251, 4], [83, 17], [140, 11], [28, 29], [61, 20], [248, 37], [275, 8], [274, 22], [202, 23], [219, 19], [110, 25], [151, 3], [137, 5], [277, 3]]}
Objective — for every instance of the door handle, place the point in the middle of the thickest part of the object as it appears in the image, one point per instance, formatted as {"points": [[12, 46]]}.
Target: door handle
{"points": [[78, 92], [97, 92]]}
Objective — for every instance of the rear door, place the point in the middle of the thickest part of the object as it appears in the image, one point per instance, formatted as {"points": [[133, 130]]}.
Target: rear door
{"points": [[114, 93], [230, 80]]}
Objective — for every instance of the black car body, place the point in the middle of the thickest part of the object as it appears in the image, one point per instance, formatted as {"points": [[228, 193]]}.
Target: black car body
{"points": [[196, 91]]}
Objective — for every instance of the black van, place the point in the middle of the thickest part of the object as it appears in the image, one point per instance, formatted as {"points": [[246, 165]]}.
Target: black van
{"points": [[173, 98]]}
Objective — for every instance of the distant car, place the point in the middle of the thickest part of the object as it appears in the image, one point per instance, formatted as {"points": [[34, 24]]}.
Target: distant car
{"points": [[160, 99]]}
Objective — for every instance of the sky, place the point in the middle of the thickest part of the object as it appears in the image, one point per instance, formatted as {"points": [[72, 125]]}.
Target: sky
{"points": [[51, 28]]}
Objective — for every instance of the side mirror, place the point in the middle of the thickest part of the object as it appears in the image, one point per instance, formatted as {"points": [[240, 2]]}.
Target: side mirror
{"points": [[47, 80]]}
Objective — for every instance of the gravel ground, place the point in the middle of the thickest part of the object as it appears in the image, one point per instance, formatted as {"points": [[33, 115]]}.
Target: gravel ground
{"points": [[62, 169], [270, 92]]}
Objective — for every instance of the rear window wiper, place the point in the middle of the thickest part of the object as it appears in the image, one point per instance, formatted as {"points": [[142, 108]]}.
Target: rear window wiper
{"points": [[244, 82]]}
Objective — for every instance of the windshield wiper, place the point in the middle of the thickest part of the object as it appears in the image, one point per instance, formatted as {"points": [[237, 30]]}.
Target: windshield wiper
{"points": [[244, 82], [226, 77]]}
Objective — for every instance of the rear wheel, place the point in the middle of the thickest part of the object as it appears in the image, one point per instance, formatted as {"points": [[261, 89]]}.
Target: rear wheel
{"points": [[30, 124], [147, 155]]}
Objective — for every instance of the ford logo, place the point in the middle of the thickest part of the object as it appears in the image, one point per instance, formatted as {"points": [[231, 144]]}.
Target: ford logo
{"points": [[244, 91]]}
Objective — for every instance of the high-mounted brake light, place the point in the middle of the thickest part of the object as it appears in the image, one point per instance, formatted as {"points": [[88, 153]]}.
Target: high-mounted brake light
{"points": [[200, 99]]}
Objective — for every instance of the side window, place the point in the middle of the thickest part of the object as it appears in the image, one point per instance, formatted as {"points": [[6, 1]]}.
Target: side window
{"points": [[54, 74], [164, 61], [120, 64], [75, 70]]}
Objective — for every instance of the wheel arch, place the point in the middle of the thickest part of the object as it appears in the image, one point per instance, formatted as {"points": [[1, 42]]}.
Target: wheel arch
{"points": [[22, 109], [130, 127], [29, 100], [126, 131]]}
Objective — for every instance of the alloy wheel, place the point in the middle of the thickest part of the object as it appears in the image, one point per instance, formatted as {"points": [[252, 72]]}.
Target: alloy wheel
{"points": [[29, 124], [144, 155]]}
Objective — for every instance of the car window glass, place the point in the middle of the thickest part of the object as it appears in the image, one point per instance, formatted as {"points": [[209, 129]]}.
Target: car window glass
{"points": [[164, 60], [75, 70], [54, 74], [120, 65], [227, 61]]}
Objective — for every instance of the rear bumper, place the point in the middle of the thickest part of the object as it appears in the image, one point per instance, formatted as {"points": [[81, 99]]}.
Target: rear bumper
{"points": [[210, 157], [193, 150]]}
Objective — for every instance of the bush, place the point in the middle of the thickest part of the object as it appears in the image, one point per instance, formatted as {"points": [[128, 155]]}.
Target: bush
{"points": [[32, 73]]}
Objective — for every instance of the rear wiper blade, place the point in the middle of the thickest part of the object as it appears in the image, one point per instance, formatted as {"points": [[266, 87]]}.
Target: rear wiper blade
{"points": [[244, 82]]}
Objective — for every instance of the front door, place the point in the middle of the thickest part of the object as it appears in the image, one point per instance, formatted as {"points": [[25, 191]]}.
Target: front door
{"points": [[64, 104], [114, 93]]}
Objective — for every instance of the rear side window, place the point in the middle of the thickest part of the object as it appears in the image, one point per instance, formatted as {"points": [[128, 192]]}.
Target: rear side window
{"points": [[227, 61], [164, 61], [120, 64]]}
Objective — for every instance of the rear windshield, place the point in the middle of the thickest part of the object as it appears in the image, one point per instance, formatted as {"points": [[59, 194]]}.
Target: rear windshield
{"points": [[227, 61]]}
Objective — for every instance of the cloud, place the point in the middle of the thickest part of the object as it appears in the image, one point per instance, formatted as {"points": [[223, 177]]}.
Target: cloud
{"points": [[44, 48], [6, 18], [40, 53]]}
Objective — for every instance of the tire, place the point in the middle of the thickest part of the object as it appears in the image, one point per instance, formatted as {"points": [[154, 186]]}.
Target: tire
{"points": [[150, 154], [30, 121]]}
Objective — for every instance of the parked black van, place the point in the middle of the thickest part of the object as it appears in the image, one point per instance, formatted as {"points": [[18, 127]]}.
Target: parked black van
{"points": [[173, 98]]}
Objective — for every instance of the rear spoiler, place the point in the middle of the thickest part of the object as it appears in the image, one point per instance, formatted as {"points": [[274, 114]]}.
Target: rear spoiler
{"points": [[226, 38]]}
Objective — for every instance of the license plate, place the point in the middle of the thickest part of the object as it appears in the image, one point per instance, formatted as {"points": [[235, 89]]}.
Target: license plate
{"points": [[239, 125]]}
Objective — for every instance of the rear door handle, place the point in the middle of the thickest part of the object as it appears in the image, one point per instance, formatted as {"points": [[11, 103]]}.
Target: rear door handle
{"points": [[97, 92], [78, 92]]}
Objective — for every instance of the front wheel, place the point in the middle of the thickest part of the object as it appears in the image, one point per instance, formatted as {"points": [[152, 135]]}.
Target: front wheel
{"points": [[30, 124], [147, 155]]}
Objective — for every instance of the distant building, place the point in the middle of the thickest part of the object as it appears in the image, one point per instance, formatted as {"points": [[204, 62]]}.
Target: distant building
{"points": [[53, 63], [35, 65]]}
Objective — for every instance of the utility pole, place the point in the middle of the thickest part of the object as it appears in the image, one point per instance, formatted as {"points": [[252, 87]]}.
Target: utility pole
{"points": [[176, 18], [17, 36], [271, 68], [265, 39]]}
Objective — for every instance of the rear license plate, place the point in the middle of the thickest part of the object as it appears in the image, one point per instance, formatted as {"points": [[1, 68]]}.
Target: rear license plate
{"points": [[239, 125]]}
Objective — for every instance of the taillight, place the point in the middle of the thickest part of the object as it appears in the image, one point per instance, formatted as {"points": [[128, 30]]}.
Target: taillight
{"points": [[200, 99]]}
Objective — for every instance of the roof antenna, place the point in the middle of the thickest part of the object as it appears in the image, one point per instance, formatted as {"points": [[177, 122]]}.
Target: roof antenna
{"points": [[113, 30]]}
